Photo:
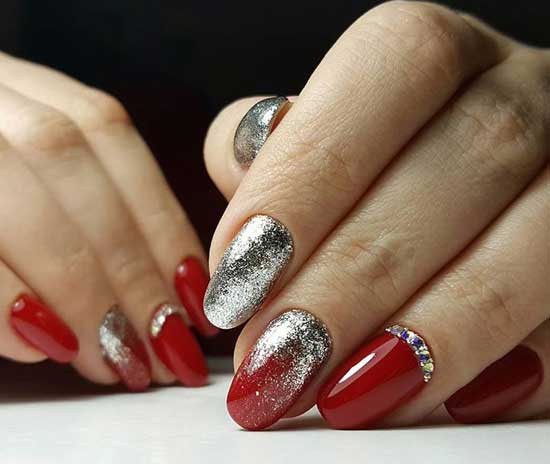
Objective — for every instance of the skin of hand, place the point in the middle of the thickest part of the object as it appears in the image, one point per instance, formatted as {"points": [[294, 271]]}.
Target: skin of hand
{"points": [[95, 247], [408, 183]]}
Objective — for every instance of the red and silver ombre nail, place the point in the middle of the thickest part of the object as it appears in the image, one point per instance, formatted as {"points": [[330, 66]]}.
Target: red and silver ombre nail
{"points": [[278, 369], [124, 351]]}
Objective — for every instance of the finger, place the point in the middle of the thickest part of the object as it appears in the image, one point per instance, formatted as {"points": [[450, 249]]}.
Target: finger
{"points": [[25, 338], [512, 388], [408, 226], [470, 316], [261, 115], [47, 252], [106, 128], [54, 147], [333, 142]]}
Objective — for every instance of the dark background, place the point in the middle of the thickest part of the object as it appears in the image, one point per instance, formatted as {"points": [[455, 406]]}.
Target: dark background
{"points": [[175, 64]]}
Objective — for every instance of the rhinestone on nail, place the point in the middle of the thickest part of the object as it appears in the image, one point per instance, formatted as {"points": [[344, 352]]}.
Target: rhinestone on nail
{"points": [[162, 313], [419, 347]]}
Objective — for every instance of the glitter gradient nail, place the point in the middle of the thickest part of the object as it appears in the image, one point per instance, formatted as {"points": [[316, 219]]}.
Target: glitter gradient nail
{"points": [[247, 272], [124, 351], [176, 346], [278, 369], [255, 128]]}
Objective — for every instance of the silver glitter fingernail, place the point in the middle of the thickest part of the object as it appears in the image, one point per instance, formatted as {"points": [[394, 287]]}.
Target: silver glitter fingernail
{"points": [[255, 127], [123, 350], [247, 272], [278, 369]]}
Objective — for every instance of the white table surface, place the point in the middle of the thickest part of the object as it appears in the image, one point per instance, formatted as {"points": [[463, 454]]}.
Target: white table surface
{"points": [[48, 415]]}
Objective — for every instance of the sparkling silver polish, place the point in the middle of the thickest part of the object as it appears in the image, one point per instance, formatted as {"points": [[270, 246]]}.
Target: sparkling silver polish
{"points": [[255, 127], [247, 272], [296, 339], [121, 347], [160, 316], [279, 367]]}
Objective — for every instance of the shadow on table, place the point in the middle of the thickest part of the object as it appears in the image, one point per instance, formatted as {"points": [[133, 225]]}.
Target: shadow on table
{"points": [[47, 381]]}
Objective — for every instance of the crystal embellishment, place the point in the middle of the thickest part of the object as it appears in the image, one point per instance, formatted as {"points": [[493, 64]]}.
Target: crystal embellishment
{"points": [[162, 313], [419, 347]]}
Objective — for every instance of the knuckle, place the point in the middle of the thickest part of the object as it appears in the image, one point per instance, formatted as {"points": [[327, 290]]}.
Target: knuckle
{"points": [[439, 38], [49, 131], [369, 268], [486, 302], [501, 132], [322, 161], [98, 110], [78, 260], [132, 271]]}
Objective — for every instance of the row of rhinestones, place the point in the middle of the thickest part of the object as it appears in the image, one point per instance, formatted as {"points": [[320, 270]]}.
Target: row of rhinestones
{"points": [[418, 345]]}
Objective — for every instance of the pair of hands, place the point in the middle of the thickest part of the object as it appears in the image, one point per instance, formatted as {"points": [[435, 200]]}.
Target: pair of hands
{"points": [[408, 186]]}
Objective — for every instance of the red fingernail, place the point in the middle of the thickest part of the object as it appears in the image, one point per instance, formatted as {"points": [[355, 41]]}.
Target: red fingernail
{"points": [[176, 347], [190, 282], [278, 369], [43, 329], [498, 388], [124, 351], [377, 379]]}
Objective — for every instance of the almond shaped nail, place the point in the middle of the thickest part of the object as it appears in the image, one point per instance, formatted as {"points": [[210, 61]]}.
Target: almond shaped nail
{"points": [[501, 386], [255, 127], [123, 350], [377, 379], [247, 272], [176, 346], [41, 328], [190, 282], [278, 368]]}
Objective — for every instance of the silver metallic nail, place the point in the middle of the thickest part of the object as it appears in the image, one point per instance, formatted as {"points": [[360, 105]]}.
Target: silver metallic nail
{"points": [[278, 368], [255, 127], [247, 272], [123, 350]]}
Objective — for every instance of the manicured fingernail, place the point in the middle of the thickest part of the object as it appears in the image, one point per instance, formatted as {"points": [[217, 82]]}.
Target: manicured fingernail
{"points": [[255, 127], [43, 329], [504, 384], [123, 350], [278, 369], [176, 347], [190, 283], [377, 379], [247, 272]]}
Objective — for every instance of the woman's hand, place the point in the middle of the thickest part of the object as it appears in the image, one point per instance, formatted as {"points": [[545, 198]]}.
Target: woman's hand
{"points": [[94, 246], [407, 184]]}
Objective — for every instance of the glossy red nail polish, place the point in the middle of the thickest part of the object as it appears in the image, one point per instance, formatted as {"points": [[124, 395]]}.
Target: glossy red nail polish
{"points": [[124, 351], [190, 282], [498, 388], [373, 382], [176, 346], [43, 329]]}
